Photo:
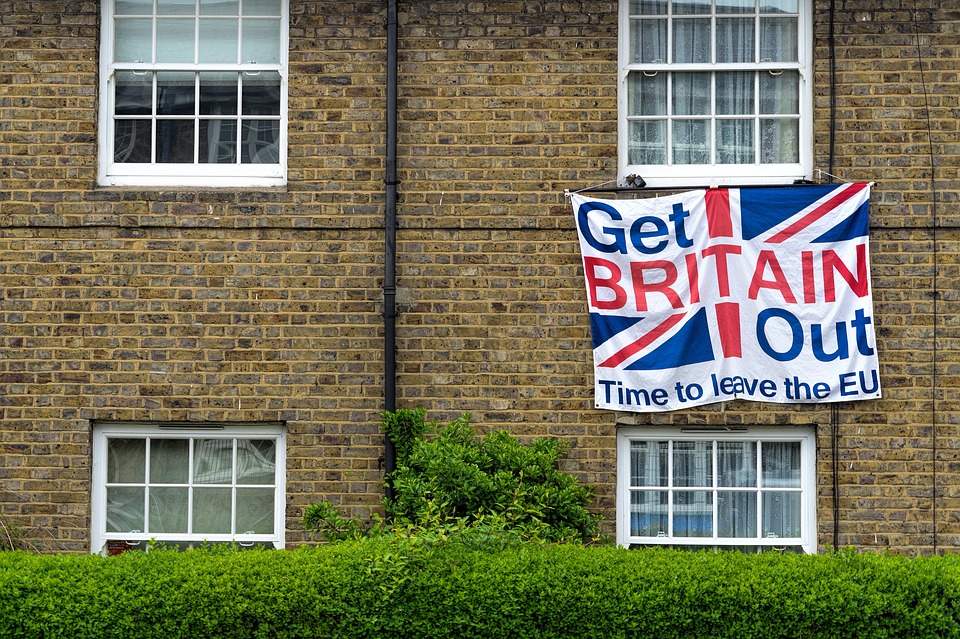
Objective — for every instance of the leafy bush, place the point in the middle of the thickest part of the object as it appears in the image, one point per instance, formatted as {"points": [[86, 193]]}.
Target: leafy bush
{"points": [[405, 427], [456, 475], [456, 481], [393, 587], [330, 523]]}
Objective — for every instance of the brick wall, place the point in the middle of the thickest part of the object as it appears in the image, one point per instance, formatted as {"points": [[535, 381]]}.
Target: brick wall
{"points": [[884, 105], [166, 304]]}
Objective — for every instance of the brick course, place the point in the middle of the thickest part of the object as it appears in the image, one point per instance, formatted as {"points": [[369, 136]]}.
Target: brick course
{"points": [[265, 305]]}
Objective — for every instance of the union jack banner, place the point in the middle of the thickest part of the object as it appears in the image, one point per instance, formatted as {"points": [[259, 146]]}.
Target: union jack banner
{"points": [[713, 295]]}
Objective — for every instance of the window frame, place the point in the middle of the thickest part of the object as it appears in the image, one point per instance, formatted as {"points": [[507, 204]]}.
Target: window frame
{"points": [[806, 436], [692, 175], [236, 174], [104, 431]]}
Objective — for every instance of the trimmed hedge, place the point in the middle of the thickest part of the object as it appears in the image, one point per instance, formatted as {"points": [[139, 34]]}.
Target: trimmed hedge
{"points": [[397, 588]]}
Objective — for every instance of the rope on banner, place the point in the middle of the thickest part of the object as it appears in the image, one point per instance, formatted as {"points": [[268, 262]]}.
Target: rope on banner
{"points": [[568, 192], [821, 173]]}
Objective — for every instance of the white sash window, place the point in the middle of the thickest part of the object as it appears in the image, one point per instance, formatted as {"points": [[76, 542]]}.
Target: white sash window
{"points": [[182, 486], [193, 92], [752, 490], [715, 91]]}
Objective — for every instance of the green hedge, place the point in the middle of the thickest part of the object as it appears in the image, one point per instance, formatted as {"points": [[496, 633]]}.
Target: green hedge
{"points": [[397, 588]]}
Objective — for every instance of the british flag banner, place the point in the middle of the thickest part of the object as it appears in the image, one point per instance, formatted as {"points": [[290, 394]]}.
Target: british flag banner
{"points": [[758, 293]]}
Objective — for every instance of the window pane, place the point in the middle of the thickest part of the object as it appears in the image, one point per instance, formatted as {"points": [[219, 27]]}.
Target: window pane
{"points": [[260, 142], [255, 509], [692, 464], [261, 8], [124, 508], [176, 7], [218, 141], [133, 40], [691, 40], [736, 514], [735, 93], [779, 141], [261, 41], [256, 461], [134, 93], [648, 513], [648, 41], [261, 94], [691, 94], [175, 40], [780, 92], [648, 7], [219, 40], [647, 142], [780, 464], [126, 461], [131, 141], [647, 95], [649, 463], [778, 40], [690, 142], [211, 510], [175, 141], [778, 6], [169, 461], [735, 6], [735, 40], [218, 93], [213, 461], [781, 514], [176, 93], [737, 464], [691, 6], [693, 514], [735, 142], [220, 7], [168, 510], [134, 7]]}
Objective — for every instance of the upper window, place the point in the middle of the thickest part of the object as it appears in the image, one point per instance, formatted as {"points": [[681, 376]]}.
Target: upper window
{"points": [[715, 91], [182, 486], [193, 92], [750, 490]]}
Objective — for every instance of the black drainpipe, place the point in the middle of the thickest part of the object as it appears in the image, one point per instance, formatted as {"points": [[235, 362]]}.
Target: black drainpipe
{"points": [[390, 246]]}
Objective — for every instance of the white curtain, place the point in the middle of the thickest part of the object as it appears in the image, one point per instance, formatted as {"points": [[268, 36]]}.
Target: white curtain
{"points": [[780, 469], [779, 92], [737, 509], [649, 465], [693, 509]]}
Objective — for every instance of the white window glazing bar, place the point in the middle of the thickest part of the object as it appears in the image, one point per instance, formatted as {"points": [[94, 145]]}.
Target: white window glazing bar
{"points": [[759, 483], [234, 479], [191, 451], [147, 486], [714, 529]]}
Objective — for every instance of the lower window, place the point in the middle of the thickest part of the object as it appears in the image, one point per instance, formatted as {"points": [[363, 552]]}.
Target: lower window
{"points": [[182, 486], [751, 491]]}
